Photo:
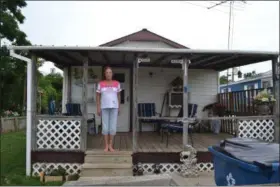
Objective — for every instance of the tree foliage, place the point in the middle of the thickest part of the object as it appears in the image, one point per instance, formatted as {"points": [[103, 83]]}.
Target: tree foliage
{"points": [[11, 16], [12, 71], [223, 79], [51, 86], [249, 75]]}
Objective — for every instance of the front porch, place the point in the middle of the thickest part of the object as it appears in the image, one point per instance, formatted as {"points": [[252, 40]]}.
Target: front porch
{"points": [[151, 142], [54, 141]]}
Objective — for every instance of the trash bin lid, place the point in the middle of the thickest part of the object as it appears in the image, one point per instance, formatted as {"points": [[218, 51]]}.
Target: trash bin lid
{"points": [[252, 150]]}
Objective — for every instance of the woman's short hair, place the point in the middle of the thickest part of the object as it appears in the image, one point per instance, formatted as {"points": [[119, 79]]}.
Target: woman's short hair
{"points": [[107, 67]]}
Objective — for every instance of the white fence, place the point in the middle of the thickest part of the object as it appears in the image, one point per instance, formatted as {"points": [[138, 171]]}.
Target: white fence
{"points": [[11, 124]]}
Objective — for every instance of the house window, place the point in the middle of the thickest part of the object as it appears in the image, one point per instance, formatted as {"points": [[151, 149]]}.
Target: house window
{"points": [[225, 90], [251, 87], [266, 84]]}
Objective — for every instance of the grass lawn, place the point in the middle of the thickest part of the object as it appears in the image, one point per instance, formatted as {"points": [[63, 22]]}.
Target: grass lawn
{"points": [[13, 162]]}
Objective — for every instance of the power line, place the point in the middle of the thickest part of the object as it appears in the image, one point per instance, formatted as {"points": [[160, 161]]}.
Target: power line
{"points": [[230, 29], [236, 6], [217, 4], [204, 7]]}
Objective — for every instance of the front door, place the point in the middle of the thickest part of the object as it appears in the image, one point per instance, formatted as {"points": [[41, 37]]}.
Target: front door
{"points": [[123, 76]]}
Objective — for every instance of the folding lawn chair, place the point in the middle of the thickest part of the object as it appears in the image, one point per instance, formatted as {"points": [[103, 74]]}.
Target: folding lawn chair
{"points": [[177, 126], [148, 110]]}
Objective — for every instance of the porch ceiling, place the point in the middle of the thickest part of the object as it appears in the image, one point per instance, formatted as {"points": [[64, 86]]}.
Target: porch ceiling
{"points": [[120, 56]]}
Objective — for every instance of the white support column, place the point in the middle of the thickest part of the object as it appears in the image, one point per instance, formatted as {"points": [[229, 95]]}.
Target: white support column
{"points": [[65, 89], [84, 104], [31, 110], [185, 65], [188, 155]]}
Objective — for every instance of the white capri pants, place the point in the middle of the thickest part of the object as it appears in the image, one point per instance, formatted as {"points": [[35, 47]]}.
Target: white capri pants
{"points": [[109, 121]]}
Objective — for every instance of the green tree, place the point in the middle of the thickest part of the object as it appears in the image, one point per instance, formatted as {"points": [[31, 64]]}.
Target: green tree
{"points": [[223, 79], [51, 86], [12, 71]]}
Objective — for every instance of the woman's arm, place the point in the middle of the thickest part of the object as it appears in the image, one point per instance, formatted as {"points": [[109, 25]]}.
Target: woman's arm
{"points": [[98, 97], [98, 100], [119, 98]]}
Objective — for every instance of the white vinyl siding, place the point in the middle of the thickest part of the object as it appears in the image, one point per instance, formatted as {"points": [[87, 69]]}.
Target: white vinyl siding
{"points": [[203, 84], [203, 87]]}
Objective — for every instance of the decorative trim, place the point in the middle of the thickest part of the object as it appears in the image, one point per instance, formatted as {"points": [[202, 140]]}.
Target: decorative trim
{"points": [[175, 106], [71, 168]]}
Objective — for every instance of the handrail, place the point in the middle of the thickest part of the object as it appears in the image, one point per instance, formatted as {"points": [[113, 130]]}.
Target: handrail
{"points": [[212, 118]]}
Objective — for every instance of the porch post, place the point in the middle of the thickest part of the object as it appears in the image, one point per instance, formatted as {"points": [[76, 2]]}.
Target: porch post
{"points": [[188, 155], [69, 84], [276, 87], [135, 108], [31, 110], [65, 89], [185, 65], [84, 104]]}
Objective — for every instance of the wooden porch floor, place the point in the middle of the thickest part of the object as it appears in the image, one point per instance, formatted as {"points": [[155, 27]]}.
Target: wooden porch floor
{"points": [[151, 141]]}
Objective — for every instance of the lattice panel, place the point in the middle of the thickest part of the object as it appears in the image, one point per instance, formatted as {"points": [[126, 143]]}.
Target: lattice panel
{"points": [[205, 167], [175, 168], [58, 134], [258, 129], [71, 168]]}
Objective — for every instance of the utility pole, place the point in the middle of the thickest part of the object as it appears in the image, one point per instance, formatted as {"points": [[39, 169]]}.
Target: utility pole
{"points": [[229, 30]]}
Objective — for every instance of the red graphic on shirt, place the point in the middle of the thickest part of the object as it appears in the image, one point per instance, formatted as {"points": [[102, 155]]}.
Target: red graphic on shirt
{"points": [[103, 84]]}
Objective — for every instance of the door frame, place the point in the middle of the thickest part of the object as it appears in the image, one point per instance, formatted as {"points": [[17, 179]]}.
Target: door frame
{"points": [[130, 68]]}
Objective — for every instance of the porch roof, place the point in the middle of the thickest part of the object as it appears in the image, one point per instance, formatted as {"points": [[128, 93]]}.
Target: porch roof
{"points": [[219, 60]]}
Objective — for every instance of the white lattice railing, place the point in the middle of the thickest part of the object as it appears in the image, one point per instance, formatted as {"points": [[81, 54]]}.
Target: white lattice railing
{"points": [[262, 129], [63, 133]]}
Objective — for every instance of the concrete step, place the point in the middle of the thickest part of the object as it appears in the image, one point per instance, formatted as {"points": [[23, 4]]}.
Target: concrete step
{"points": [[106, 169], [106, 165], [100, 163], [99, 172], [149, 180], [108, 159]]}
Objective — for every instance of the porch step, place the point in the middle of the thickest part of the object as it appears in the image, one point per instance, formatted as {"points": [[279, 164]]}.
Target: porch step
{"points": [[100, 163], [115, 157], [99, 170], [108, 159], [106, 166], [101, 152]]}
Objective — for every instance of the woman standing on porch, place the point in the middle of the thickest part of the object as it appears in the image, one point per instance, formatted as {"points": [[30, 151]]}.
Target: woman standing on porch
{"points": [[108, 102]]}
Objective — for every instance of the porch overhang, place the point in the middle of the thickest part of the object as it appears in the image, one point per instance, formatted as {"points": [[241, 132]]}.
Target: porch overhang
{"points": [[219, 60]]}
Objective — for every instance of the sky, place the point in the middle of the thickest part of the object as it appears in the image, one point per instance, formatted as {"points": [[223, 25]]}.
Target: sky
{"points": [[255, 25]]}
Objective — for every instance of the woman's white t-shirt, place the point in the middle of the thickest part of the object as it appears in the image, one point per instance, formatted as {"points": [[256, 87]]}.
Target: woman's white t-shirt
{"points": [[109, 94]]}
